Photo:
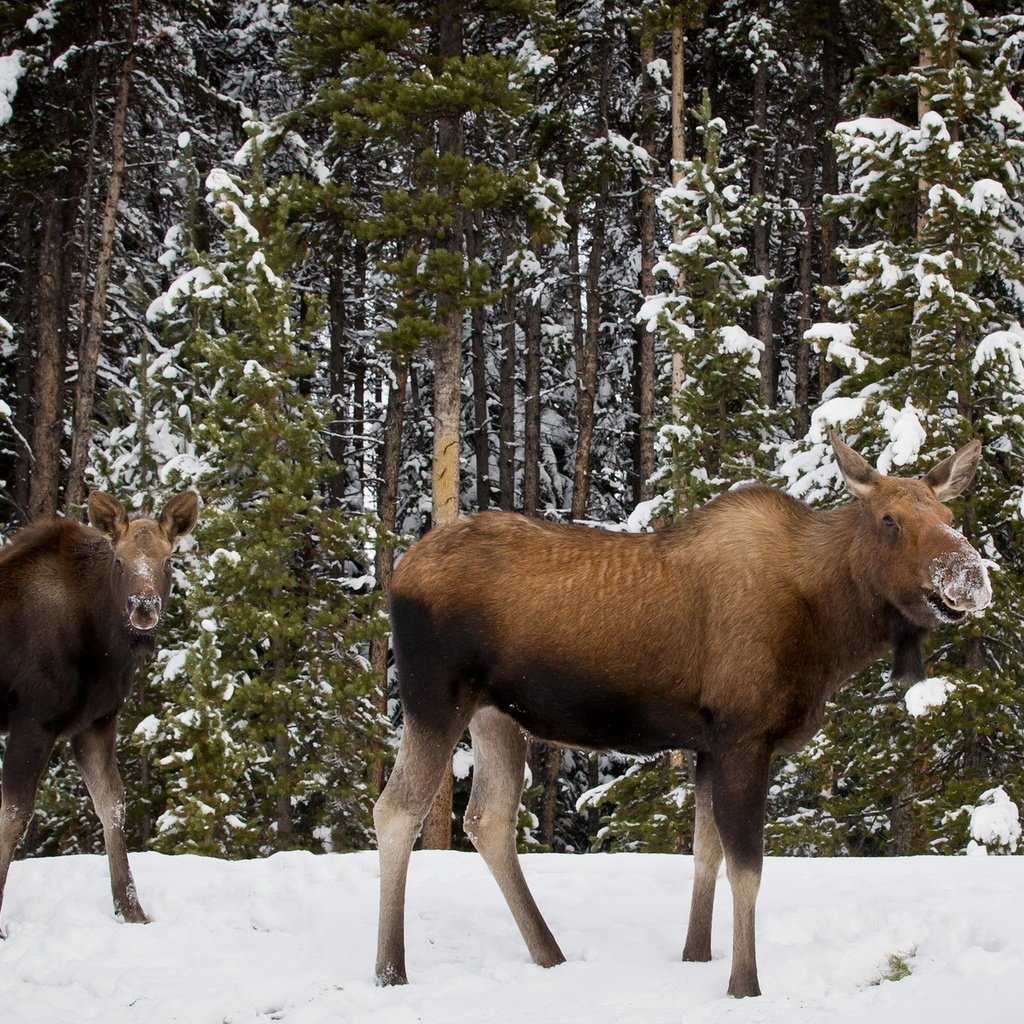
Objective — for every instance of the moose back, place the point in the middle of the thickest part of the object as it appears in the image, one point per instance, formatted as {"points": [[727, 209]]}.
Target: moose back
{"points": [[725, 634], [78, 606]]}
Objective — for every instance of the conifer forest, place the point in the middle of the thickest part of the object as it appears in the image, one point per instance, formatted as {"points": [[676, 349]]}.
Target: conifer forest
{"points": [[349, 270]]}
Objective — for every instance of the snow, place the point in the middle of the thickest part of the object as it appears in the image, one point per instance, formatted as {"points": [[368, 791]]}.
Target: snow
{"points": [[994, 822], [291, 939], [928, 694], [11, 69]]}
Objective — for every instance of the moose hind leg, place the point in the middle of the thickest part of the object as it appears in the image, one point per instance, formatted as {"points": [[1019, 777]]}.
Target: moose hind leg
{"points": [[739, 775], [28, 750], [422, 760], [499, 754], [96, 754], [707, 859]]}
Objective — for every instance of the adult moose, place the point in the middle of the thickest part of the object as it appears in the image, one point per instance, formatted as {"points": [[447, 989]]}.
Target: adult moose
{"points": [[78, 606], [725, 633]]}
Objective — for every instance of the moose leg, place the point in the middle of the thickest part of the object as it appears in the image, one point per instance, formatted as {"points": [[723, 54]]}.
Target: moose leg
{"points": [[28, 750], [739, 786], [499, 754], [397, 816], [707, 858], [96, 756]]}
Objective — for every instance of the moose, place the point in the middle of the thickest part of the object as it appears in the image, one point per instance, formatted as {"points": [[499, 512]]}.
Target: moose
{"points": [[724, 633], [79, 607]]}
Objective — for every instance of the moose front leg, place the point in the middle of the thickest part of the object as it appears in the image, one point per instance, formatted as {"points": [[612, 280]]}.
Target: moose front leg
{"points": [[739, 789], [28, 749], [97, 758]]}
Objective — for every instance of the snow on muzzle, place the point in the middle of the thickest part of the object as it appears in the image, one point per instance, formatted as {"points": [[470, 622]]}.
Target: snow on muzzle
{"points": [[961, 579], [144, 611]]}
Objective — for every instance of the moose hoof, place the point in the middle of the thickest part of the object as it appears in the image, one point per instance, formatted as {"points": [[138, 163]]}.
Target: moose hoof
{"points": [[696, 956], [744, 989], [391, 975]]}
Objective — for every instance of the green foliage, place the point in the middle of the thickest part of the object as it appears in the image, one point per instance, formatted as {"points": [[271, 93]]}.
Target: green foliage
{"points": [[264, 725], [717, 426], [929, 308]]}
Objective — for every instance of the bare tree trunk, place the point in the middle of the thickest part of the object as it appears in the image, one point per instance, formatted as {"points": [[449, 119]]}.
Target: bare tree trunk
{"points": [[447, 351], [384, 558], [678, 115], [507, 396], [587, 355], [806, 287], [48, 380], [26, 318], [532, 410], [829, 274], [89, 350], [337, 368], [762, 227], [481, 413], [644, 349]]}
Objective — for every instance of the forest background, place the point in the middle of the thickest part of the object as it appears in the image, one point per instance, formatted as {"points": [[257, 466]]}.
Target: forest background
{"points": [[351, 269]]}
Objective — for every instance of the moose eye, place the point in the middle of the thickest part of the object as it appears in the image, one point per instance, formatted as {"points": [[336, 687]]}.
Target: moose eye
{"points": [[167, 565], [889, 522], [119, 566]]}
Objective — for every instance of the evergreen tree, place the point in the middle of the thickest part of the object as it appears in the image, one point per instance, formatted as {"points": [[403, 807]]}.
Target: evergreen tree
{"points": [[925, 327], [271, 726], [717, 431]]}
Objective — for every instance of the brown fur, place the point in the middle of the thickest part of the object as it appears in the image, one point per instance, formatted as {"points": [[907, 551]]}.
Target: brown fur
{"points": [[725, 634], [78, 607]]}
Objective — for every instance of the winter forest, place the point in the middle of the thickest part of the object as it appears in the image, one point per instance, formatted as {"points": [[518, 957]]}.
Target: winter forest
{"points": [[351, 269]]}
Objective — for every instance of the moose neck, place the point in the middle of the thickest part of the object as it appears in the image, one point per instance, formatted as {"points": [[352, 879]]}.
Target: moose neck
{"points": [[857, 624]]}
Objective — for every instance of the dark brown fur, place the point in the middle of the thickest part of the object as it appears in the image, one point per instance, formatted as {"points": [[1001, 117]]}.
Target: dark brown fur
{"points": [[724, 634], [78, 607]]}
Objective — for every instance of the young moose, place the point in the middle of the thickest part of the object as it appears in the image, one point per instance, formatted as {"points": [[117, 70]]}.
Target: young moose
{"points": [[725, 634], [78, 606]]}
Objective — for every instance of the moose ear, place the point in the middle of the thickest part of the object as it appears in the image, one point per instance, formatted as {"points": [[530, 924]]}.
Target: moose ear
{"points": [[859, 476], [953, 476], [107, 514], [179, 516]]}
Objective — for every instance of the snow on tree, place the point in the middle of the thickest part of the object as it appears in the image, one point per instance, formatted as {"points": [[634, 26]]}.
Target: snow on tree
{"points": [[927, 338]]}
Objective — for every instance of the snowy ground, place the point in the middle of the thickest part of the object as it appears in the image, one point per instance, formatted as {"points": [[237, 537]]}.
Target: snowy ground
{"points": [[291, 939]]}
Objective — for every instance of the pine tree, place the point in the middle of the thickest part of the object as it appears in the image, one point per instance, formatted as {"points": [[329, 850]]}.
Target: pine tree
{"points": [[271, 716], [717, 431], [925, 329]]}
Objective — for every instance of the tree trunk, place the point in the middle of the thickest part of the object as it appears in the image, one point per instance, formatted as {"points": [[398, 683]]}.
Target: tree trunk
{"points": [[481, 413], [507, 397], [89, 350], [337, 360], [447, 351], [48, 381], [587, 354], [532, 410], [806, 288], [384, 557], [678, 116], [644, 348], [762, 227], [829, 274]]}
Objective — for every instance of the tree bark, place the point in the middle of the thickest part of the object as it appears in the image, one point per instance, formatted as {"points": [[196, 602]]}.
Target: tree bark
{"points": [[48, 379], [829, 273], [532, 410], [644, 348], [587, 354], [447, 352], [507, 397], [481, 413], [89, 350], [762, 227], [678, 116], [384, 557], [806, 288]]}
